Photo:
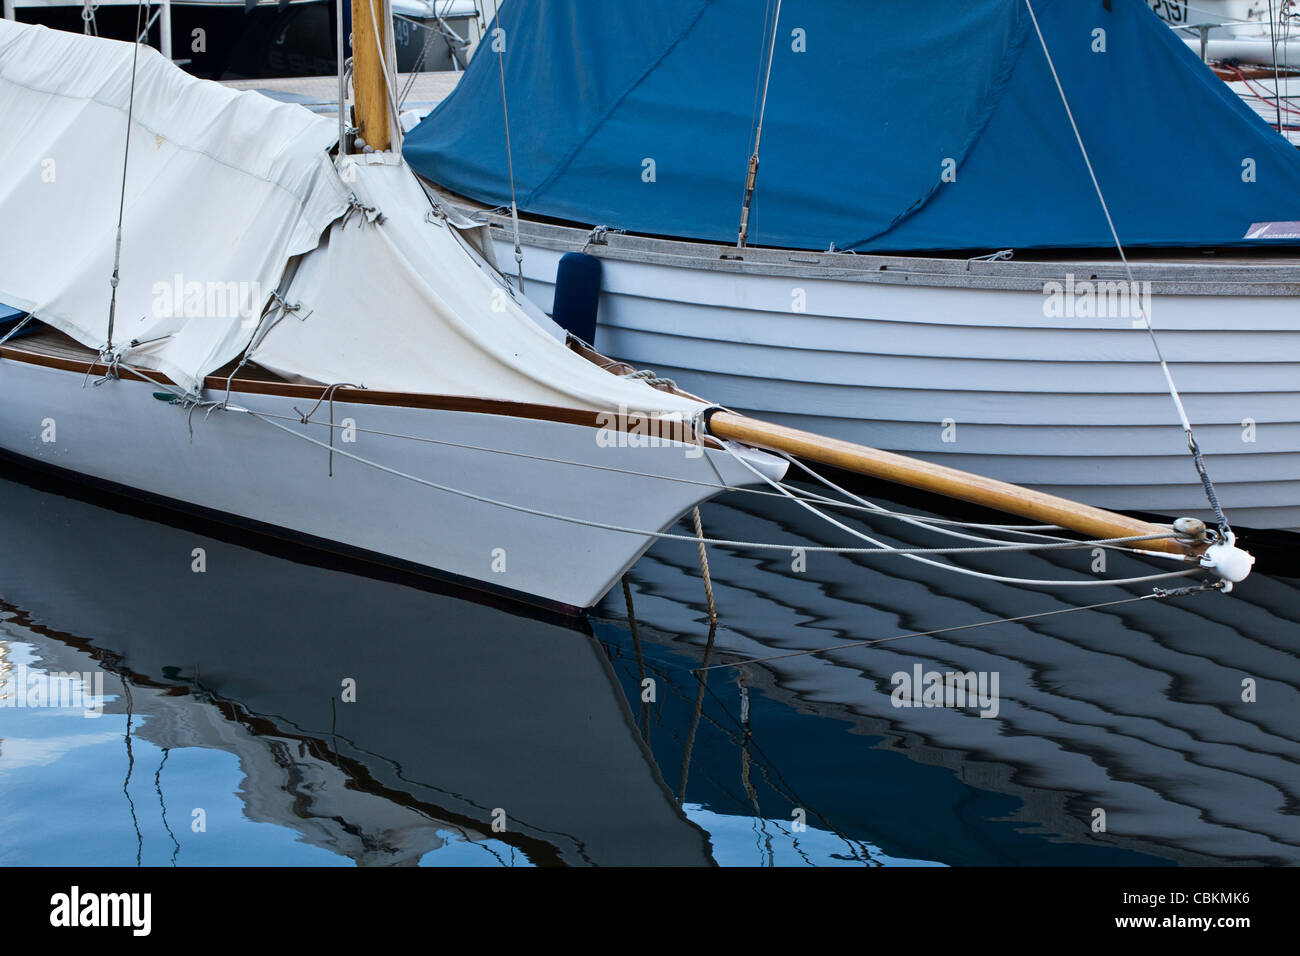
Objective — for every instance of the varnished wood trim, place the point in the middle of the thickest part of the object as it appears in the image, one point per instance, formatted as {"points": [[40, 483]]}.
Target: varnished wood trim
{"points": [[364, 396]]}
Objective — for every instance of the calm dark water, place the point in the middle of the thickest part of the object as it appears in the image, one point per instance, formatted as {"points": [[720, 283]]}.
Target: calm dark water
{"points": [[225, 732]]}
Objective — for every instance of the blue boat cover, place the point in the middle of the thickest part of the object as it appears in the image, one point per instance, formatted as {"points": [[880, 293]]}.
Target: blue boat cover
{"points": [[891, 125]]}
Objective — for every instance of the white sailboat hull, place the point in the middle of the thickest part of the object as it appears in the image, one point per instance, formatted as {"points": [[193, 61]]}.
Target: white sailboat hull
{"points": [[957, 362], [244, 469]]}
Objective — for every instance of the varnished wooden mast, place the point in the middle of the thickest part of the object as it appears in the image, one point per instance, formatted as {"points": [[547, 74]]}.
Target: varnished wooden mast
{"points": [[369, 82], [1036, 506]]}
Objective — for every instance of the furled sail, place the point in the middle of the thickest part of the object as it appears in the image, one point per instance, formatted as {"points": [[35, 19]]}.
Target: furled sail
{"points": [[241, 235], [890, 126], [394, 300], [222, 189]]}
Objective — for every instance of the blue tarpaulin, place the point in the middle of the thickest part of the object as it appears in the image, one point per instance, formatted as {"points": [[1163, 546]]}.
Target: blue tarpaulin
{"points": [[891, 125]]}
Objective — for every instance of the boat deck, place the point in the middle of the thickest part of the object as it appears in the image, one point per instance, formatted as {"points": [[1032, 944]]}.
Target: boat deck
{"points": [[421, 92]]}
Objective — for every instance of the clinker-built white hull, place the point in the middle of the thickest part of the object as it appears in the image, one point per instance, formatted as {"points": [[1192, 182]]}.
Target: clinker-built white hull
{"points": [[961, 363]]}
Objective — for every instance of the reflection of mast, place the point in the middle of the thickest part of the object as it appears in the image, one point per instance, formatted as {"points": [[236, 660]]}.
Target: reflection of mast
{"points": [[6, 668], [294, 783]]}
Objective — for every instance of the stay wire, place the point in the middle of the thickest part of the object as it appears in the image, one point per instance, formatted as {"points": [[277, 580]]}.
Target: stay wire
{"points": [[1192, 445]]}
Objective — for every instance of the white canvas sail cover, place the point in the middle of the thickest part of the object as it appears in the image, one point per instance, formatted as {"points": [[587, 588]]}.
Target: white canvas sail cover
{"points": [[222, 188], [398, 303], [227, 197]]}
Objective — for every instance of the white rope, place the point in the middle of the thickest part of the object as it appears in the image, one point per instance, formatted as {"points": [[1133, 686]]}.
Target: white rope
{"points": [[916, 554], [880, 547], [868, 507], [16, 329], [661, 535], [999, 545], [923, 522], [1192, 444]]}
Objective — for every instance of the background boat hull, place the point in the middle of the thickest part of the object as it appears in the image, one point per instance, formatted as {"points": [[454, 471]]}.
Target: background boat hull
{"points": [[965, 368]]}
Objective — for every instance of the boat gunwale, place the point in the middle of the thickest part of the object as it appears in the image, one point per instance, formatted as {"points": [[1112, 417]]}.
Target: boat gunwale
{"points": [[1167, 277]]}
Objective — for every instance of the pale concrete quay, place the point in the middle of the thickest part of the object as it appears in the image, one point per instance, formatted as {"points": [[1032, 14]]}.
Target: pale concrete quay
{"points": [[320, 93]]}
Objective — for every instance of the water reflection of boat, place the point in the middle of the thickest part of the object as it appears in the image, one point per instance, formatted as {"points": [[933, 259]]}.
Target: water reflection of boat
{"points": [[1136, 710], [461, 708]]}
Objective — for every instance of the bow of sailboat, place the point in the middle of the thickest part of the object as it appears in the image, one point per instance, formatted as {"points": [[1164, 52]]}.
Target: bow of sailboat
{"points": [[316, 348]]}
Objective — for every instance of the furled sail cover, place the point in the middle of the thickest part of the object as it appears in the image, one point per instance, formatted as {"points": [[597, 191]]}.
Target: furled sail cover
{"points": [[393, 300], [640, 116], [222, 189]]}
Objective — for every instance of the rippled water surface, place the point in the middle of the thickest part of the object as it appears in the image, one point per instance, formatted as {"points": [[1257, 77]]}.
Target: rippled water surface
{"points": [[208, 717]]}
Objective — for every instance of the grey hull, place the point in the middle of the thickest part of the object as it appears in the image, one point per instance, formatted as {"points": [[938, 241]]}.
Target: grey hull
{"points": [[957, 361]]}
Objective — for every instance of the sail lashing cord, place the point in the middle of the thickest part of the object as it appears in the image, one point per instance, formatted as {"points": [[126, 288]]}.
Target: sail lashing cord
{"points": [[1224, 529], [306, 418], [121, 202], [499, 41], [17, 328], [88, 25]]}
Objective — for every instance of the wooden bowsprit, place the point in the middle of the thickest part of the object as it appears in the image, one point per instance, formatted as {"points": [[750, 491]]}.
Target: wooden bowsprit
{"points": [[1188, 538]]}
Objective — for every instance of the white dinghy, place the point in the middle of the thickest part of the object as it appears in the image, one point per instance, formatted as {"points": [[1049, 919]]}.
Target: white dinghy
{"points": [[310, 345]]}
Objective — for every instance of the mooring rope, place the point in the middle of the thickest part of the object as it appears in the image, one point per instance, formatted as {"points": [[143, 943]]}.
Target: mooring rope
{"points": [[704, 565]]}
